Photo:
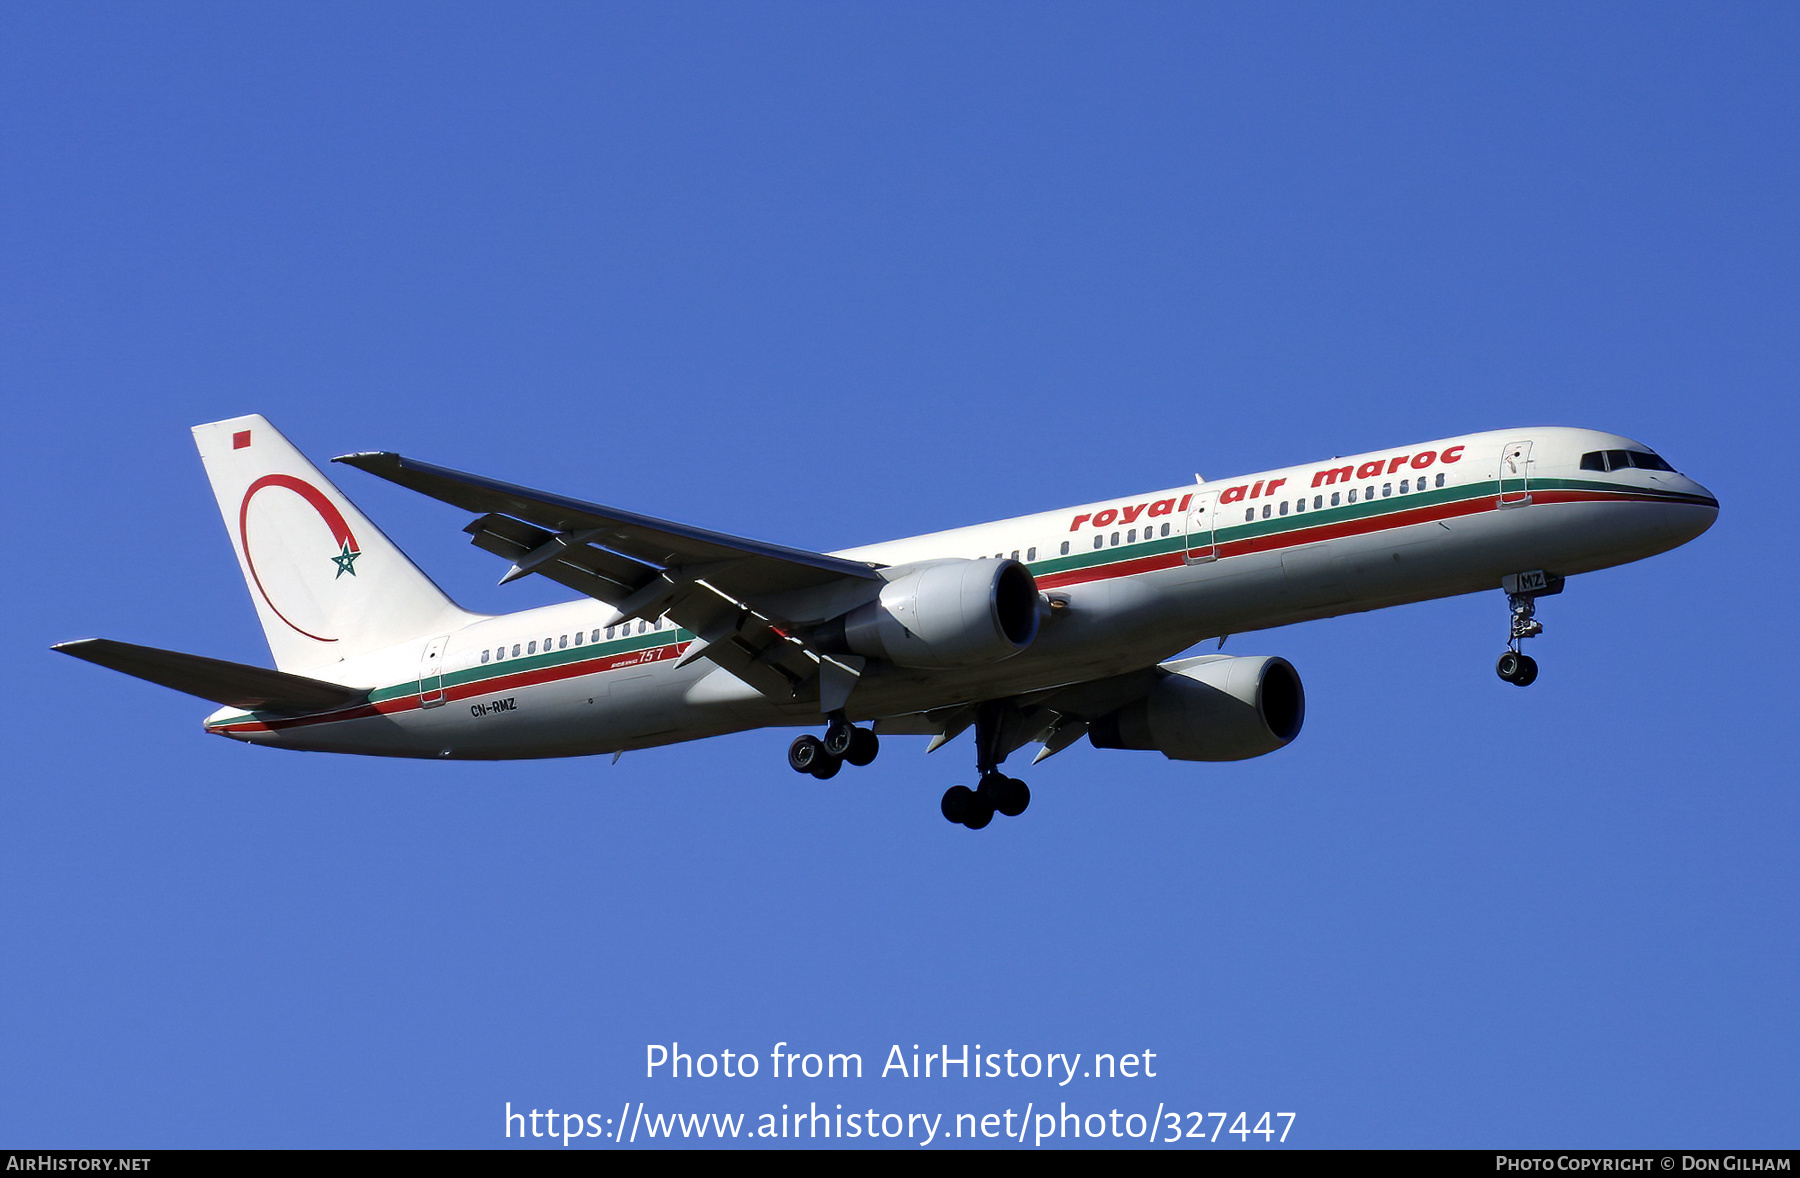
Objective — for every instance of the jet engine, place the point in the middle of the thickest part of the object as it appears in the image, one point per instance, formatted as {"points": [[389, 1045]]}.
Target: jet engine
{"points": [[947, 613], [1215, 708]]}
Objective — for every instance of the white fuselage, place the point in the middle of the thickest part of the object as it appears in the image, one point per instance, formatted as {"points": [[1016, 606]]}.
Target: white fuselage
{"points": [[1134, 581]]}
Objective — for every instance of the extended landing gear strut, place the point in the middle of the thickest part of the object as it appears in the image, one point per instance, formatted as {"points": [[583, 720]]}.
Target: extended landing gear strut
{"points": [[997, 793], [843, 742], [1522, 592]]}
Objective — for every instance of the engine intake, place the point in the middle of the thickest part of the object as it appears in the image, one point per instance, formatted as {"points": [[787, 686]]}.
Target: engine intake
{"points": [[949, 613], [1216, 708]]}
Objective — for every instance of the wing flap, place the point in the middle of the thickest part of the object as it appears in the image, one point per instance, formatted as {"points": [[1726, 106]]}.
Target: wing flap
{"points": [[236, 685], [707, 582], [595, 572]]}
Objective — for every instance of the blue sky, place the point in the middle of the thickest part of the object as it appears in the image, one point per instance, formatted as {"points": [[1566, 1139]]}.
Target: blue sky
{"points": [[826, 275]]}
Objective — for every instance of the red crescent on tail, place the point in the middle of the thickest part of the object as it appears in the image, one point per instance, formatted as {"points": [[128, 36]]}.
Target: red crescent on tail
{"points": [[334, 519]]}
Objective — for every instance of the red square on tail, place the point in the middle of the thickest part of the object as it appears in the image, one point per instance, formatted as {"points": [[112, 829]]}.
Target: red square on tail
{"points": [[240, 440]]}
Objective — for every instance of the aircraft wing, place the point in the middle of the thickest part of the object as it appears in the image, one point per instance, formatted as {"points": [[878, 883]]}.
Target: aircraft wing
{"points": [[746, 599], [236, 685]]}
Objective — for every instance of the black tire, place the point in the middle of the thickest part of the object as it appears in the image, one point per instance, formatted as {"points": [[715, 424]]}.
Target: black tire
{"points": [[1508, 666], [1528, 671], [805, 752], [1011, 796], [864, 744], [826, 767], [958, 800], [980, 813], [838, 739]]}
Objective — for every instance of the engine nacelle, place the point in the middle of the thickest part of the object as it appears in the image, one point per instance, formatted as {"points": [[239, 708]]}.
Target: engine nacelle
{"points": [[947, 613], [1217, 708]]}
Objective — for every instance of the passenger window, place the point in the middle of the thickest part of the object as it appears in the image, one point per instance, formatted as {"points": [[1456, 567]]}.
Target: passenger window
{"points": [[1403, 483], [1300, 503], [1352, 495], [1334, 499], [1165, 529], [1440, 481], [1030, 555], [563, 642], [1284, 506], [643, 627], [1015, 554], [1099, 541], [1368, 493], [515, 650], [578, 638], [532, 649], [1065, 548], [1115, 539], [609, 631], [1249, 514], [1319, 501], [484, 656], [1265, 511], [1132, 537]]}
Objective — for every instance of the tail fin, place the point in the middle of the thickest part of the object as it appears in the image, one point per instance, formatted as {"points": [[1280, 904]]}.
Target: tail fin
{"points": [[326, 583]]}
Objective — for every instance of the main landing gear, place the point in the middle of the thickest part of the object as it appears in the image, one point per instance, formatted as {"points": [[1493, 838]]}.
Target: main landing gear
{"points": [[843, 742], [1522, 592], [997, 793]]}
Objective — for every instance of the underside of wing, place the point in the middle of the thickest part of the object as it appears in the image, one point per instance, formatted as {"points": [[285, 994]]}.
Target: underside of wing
{"points": [[737, 564], [1055, 717], [747, 600]]}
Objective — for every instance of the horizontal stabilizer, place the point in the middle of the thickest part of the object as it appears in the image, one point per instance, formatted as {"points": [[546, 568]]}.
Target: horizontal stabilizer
{"points": [[233, 684]]}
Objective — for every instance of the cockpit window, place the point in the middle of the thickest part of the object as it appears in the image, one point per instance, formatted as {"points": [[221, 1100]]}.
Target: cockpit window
{"points": [[1623, 460]]}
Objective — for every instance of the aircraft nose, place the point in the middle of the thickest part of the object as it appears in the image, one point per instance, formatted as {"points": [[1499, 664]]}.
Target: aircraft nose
{"points": [[1695, 515]]}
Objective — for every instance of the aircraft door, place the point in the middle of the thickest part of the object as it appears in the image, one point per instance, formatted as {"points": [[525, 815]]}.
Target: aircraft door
{"points": [[431, 673], [1200, 515], [1515, 474]]}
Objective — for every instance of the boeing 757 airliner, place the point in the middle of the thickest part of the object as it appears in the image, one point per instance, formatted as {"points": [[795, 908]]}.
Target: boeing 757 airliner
{"points": [[1041, 629]]}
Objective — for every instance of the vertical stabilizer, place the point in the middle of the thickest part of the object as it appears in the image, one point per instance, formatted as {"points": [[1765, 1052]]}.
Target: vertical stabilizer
{"points": [[326, 583]]}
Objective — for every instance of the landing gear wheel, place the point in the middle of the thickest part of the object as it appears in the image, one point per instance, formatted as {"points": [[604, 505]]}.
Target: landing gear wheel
{"points": [[838, 737], [1521, 670], [958, 801], [1011, 796], [805, 753], [826, 767], [980, 811], [864, 744]]}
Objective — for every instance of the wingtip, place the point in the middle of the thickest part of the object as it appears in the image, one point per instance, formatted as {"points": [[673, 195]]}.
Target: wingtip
{"points": [[369, 459]]}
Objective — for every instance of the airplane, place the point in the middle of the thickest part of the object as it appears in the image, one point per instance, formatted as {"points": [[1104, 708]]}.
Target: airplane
{"points": [[1041, 629]]}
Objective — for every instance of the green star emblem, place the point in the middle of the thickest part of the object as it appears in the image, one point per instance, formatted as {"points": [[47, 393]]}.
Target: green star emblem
{"points": [[345, 560]]}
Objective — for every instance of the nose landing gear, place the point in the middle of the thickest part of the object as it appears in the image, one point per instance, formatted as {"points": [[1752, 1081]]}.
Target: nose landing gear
{"points": [[1522, 592]]}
